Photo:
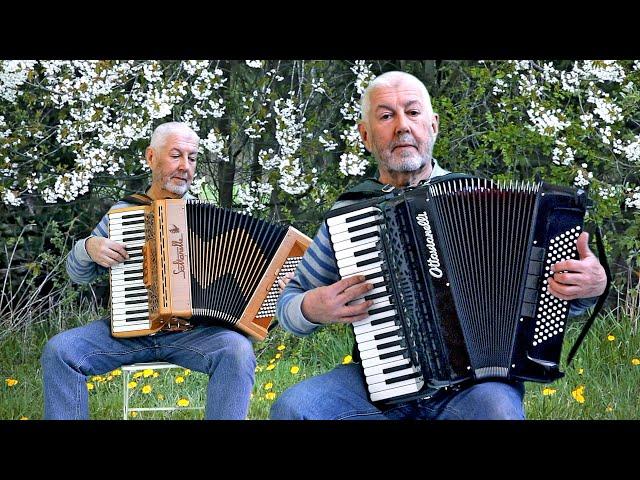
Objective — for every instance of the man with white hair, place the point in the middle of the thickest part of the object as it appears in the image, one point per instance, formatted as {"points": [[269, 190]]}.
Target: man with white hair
{"points": [[399, 128], [73, 355]]}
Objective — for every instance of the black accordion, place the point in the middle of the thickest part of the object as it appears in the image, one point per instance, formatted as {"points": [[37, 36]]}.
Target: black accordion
{"points": [[191, 262], [459, 269]]}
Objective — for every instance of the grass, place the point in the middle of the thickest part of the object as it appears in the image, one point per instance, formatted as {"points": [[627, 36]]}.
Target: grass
{"points": [[604, 367]]}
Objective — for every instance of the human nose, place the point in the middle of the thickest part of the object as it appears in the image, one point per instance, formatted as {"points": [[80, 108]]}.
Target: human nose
{"points": [[402, 125], [183, 163]]}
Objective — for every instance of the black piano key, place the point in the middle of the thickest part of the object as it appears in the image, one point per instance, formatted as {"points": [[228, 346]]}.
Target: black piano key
{"points": [[131, 289], [129, 262], [365, 235], [386, 308], [377, 295], [136, 319], [401, 378], [363, 226], [134, 302], [381, 336], [397, 353], [373, 275], [395, 343], [380, 321], [133, 215], [132, 232], [355, 218], [133, 312], [367, 262], [132, 279], [132, 272], [365, 251], [133, 222], [397, 368], [133, 239]]}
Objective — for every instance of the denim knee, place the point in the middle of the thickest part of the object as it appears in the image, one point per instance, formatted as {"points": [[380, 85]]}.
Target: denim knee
{"points": [[496, 401], [287, 406], [55, 350], [238, 353]]}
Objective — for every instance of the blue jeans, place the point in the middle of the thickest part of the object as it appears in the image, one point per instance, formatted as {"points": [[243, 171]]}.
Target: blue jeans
{"points": [[341, 394], [73, 355]]}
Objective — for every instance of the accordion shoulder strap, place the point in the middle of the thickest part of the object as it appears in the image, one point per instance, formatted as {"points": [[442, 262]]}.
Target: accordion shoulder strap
{"points": [[138, 199], [600, 303]]}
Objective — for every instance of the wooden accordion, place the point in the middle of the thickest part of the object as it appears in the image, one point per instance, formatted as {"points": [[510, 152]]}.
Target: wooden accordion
{"points": [[191, 263], [459, 269]]}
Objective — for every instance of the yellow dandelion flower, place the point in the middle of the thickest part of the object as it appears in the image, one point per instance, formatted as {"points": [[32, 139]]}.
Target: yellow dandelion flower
{"points": [[147, 372], [281, 347], [272, 360], [156, 374], [187, 372], [268, 386], [160, 396], [580, 371], [179, 379], [117, 372], [89, 386], [183, 402], [347, 359], [549, 391], [278, 355], [137, 375], [635, 361], [611, 338], [11, 382], [109, 378], [609, 408], [147, 389], [270, 396], [259, 368], [251, 396], [97, 378], [23, 418], [132, 384], [578, 394], [133, 414], [271, 367], [295, 369]]}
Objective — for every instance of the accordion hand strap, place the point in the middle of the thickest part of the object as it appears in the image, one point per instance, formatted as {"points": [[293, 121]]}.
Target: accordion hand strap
{"points": [[596, 310], [138, 199]]}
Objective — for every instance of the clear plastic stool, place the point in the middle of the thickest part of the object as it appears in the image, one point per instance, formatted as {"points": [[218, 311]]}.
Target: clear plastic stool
{"points": [[128, 369]]}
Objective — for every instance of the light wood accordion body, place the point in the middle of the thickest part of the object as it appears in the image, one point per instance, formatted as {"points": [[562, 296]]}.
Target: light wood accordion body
{"points": [[193, 263]]}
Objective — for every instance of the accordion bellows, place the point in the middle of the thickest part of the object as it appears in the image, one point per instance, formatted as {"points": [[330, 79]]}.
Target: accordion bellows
{"points": [[199, 262], [460, 268]]}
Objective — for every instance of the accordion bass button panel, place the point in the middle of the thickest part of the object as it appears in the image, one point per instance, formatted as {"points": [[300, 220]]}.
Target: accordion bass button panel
{"points": [[388, 371]]}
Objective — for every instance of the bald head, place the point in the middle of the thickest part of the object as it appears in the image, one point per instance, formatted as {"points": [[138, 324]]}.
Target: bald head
{"points": [[389, 80], [163, 131]]}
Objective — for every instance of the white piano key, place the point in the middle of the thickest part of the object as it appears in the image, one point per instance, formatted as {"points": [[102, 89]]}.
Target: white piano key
{"points": [[378, 369], [367, 337], [350, 245], [397, 392], [369, 362], [382, 386], [126, 327], [353, 269], [340, 237], [368, 327], [375, 291], [120, 215], [341, 219], [351, 252], [374, 344], [383, 377], [346, 262], [375, 353]]}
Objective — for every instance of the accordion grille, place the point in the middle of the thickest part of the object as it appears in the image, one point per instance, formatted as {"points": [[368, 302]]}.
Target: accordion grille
{"points": [[486, 229], [230, 253]]}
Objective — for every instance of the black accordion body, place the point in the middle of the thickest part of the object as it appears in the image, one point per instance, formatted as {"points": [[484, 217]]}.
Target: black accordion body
{"points": [[459, 268]]}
